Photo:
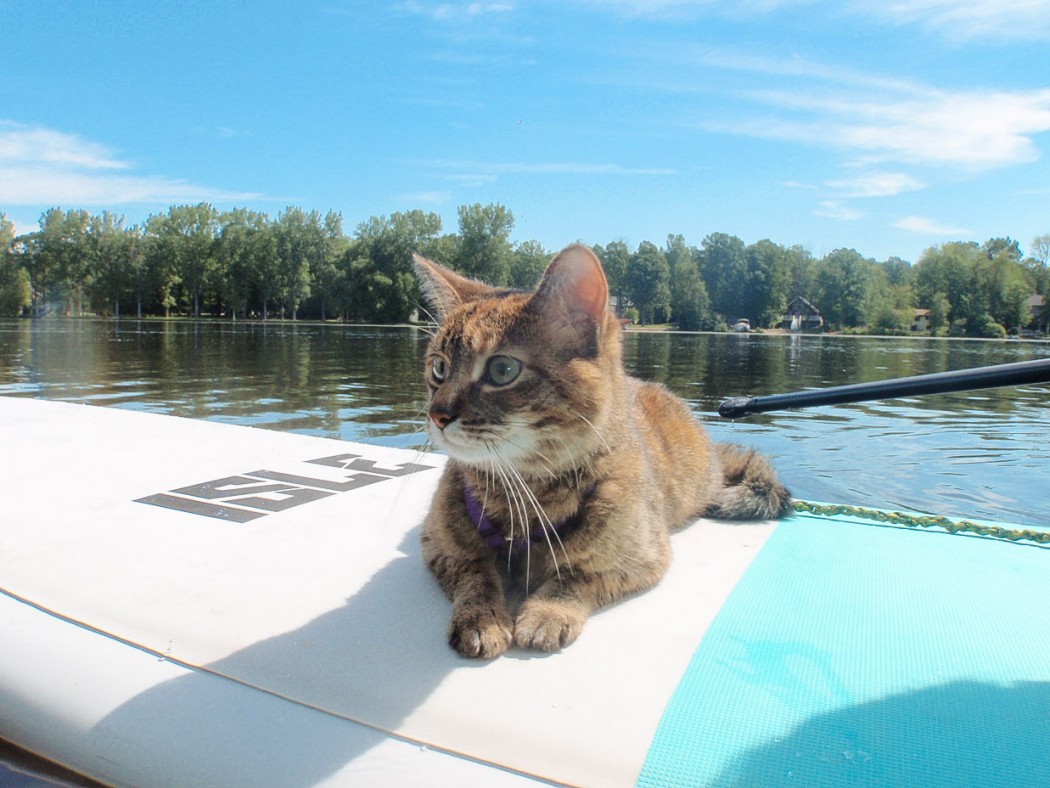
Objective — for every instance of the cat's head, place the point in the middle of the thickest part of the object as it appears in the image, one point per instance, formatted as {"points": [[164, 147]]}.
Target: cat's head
{"points": [[519, 378]]}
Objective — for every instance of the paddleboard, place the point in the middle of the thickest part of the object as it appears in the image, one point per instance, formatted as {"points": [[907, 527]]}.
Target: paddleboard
{"points": [[185, 602]]}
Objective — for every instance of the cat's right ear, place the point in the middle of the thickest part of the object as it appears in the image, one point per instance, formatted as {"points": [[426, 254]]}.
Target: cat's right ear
{"points": [[445, 289]]}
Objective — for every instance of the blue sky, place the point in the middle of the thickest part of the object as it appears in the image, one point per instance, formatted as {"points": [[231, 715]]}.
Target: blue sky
{"points": [[887, 126]]}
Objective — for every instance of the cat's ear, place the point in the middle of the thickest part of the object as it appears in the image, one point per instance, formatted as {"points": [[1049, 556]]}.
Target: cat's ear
{"points": [[445, 289], [575, 283]]}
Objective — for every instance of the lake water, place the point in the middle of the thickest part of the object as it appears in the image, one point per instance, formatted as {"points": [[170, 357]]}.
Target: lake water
{"points": [[981, 455]]}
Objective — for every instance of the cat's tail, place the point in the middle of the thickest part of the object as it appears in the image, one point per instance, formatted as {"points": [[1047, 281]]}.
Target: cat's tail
{"points": [[751, 488]]}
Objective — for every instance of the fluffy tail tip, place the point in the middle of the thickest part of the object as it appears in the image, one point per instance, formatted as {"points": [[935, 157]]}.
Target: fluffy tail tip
{"points": [[752, 490]]}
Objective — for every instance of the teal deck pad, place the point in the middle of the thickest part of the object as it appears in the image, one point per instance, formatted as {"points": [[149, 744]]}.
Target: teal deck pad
{"points": [[862, 655]]}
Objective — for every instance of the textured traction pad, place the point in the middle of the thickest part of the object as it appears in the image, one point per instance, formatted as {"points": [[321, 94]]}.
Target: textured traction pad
{"points": [[856, 654]]}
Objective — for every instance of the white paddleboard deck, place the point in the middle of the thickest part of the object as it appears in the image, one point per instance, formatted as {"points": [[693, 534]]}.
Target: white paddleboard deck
{"points": [[185, 602]]}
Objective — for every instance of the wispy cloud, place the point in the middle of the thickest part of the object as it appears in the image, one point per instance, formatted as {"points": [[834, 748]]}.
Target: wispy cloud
{"points": [[913, 125], [35, 145], [955, 20], [55, 186], [926, 226], [871, 117], [650, 8], [834, 209], [966, 20], [478, 173], [877, 184], [799, 67], [891, 135], [677, 9], [576, 168], [40, 166], [454, 12]]}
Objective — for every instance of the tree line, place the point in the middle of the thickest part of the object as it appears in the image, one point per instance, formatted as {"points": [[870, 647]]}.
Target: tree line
{"points": [[196, 260]]}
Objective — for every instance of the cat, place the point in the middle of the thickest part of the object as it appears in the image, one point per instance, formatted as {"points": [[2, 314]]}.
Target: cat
{"points": [[565, 476]]}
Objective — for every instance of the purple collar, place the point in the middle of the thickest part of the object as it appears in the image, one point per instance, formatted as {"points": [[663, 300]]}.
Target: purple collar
{"points": [[494, 537]]}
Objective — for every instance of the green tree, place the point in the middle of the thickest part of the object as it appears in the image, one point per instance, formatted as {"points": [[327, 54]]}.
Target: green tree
{"points": [[330, 285], [7, 234], [266, 263], [1041, 249], [160, 265], [887, 320], [1006, 290], [945, 270], [722, 265], [900, 277], [444, 248], [379, 264], [940, 313], [1037, 266], [766, 284], [802, 272], [690, 303], [898, 272], [987, 294], [677, 251], [485, 250], [614, 258], [57, 258], [15, 291], [849, 288], [239, 268], [114, 249], [301, 248], [183, 250], [648, 283], [527, 265], [137, 246], [994, 247], [77, 262]]}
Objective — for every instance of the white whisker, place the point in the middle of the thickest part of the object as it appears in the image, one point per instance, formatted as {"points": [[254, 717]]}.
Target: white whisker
{"points": [[546, 526], [542, 459], [575, 466], [596, 432], [512, 493], [426, 329], [514, 500]]}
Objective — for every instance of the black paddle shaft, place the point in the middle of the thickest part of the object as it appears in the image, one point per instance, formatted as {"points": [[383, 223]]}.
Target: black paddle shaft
{"points": [[939, 382]]}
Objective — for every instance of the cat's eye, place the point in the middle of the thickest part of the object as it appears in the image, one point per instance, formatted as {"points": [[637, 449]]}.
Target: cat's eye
{"points": [[501, 370], [439, 369]]}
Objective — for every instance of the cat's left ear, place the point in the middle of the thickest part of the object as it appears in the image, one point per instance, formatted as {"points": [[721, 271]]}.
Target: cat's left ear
{"points": [[445, 289], [575, 282]]}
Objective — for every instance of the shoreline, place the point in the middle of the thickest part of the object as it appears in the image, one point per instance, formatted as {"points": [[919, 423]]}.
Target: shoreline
{"points": [[631, 329]]}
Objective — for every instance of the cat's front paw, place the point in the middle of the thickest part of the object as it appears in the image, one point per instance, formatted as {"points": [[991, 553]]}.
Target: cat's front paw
{"points": [[548, 625], [480, 632]]}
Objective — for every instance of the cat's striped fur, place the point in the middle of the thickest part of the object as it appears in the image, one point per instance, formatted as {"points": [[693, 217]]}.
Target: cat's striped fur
{"points": [[529, 397]]}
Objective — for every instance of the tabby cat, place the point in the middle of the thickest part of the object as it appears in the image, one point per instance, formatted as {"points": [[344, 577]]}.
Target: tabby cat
{"points": [[565, 475]]}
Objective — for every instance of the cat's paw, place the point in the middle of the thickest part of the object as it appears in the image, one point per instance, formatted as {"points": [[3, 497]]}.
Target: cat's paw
{"points": [[480, 632], [547, 625]]}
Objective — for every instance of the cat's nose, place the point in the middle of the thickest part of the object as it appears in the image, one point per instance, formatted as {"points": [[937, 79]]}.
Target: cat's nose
{"points": [[441, 418]]}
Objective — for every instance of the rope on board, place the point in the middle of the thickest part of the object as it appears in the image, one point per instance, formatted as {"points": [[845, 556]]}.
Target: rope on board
{"points": [[925, 521]]}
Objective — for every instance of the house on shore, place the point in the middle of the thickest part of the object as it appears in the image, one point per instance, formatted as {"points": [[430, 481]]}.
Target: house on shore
{"points": [[802, 316], [1037, 304], [920, 322]]}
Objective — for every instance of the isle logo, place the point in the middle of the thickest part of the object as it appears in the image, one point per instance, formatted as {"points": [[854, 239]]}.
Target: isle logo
{"points": [[246, 496]]}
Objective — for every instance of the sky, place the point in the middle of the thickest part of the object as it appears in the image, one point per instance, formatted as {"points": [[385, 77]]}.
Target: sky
{"points": [[885, 126]]}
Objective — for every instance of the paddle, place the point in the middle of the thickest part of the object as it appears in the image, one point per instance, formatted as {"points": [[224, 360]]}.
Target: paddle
{"points": [[939, 382]]}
